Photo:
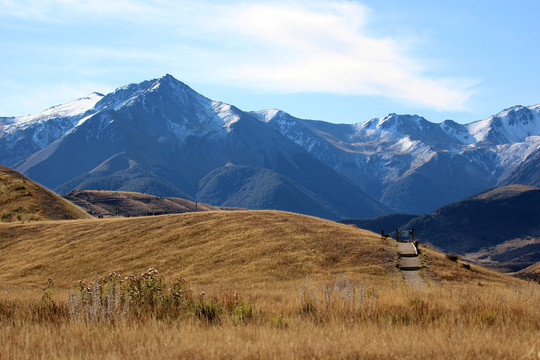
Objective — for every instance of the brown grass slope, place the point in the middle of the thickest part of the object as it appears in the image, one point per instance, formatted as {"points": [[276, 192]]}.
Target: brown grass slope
{"points": [[239, 247], [262, 249], [530, 273], [24, 200], [127, 203]]}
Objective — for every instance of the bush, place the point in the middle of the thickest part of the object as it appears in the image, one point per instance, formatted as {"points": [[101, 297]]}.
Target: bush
{"points": [[115, 296], [452, 257]]}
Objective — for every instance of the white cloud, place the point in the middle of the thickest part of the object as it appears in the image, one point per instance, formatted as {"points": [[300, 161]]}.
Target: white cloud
{"points": [[323, 47], [279, 46]]}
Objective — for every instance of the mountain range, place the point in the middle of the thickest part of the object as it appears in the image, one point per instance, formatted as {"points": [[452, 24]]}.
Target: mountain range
{"points": [[161, 137]]}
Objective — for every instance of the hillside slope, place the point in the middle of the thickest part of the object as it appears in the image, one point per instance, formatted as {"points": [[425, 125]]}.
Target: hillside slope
{"points": [[125, 203], [244, 249], [24, 200], [233, 247], [530, 273]]}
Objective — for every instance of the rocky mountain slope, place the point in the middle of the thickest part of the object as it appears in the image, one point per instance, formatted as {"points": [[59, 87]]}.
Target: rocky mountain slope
{"points": [[415, 166]]}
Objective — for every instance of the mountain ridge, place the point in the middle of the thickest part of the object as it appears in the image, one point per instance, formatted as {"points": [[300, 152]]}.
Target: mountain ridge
{"points": [[160, 136], [403, 161]]}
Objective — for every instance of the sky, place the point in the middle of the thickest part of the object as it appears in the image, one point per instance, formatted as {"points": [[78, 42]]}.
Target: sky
{"points": [[332, 60]]}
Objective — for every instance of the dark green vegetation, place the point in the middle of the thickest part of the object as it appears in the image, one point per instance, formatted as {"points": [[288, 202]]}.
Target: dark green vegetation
{"points": [[257, 188]]}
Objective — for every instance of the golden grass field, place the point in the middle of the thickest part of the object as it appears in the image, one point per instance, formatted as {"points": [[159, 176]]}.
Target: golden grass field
{"points": [[313, 288]]}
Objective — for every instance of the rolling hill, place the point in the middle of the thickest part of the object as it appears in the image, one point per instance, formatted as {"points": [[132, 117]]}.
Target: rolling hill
{"points": [[124, 203], [241, 248], [530, 273], [21, 199]]}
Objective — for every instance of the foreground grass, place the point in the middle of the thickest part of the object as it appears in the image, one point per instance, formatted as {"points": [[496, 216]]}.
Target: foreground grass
{"points": [[344, 319], [265, 284]]}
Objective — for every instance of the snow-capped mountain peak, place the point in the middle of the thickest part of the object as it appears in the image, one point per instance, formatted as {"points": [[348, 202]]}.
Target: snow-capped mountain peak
{"points": [[267, 115], [514, 124], [71, 109]]}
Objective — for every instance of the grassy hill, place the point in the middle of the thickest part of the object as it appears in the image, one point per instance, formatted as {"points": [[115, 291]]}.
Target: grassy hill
{"points": [[250, 296], [245, 248], [24, 200], [530, 273], [107, 202]]}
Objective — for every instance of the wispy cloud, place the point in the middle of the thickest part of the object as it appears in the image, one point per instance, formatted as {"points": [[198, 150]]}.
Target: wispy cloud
{"points": [[279, 46]]}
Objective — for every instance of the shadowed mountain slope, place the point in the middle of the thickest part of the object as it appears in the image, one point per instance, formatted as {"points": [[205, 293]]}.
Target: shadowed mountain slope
{"points": [[530, 273], [388, 223], [500, 227]]}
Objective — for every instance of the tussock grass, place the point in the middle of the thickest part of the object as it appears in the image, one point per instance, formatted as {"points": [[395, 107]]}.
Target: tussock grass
{"points": [[454, 321], [262, 284], [21, 199], [444, 269], [242, 248]]}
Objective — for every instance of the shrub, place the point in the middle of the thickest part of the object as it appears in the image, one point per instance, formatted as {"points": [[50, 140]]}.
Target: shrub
{"points": [[207, 310], [279, 321], [243, 311], [488, 317], [452, 257]]}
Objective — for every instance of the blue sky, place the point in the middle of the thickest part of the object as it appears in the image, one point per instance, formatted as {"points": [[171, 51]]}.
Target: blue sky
{"points": [[338, 61]]}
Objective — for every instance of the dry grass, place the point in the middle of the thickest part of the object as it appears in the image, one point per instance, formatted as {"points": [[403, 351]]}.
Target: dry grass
{"points": [[440, 269], [450, 322], [353, 305], [24, 200], [133, 203], [532, 272], [245, 248]]}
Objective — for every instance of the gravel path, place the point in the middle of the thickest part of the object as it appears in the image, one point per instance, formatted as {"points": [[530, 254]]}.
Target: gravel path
{"points": [[409, 264]]}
